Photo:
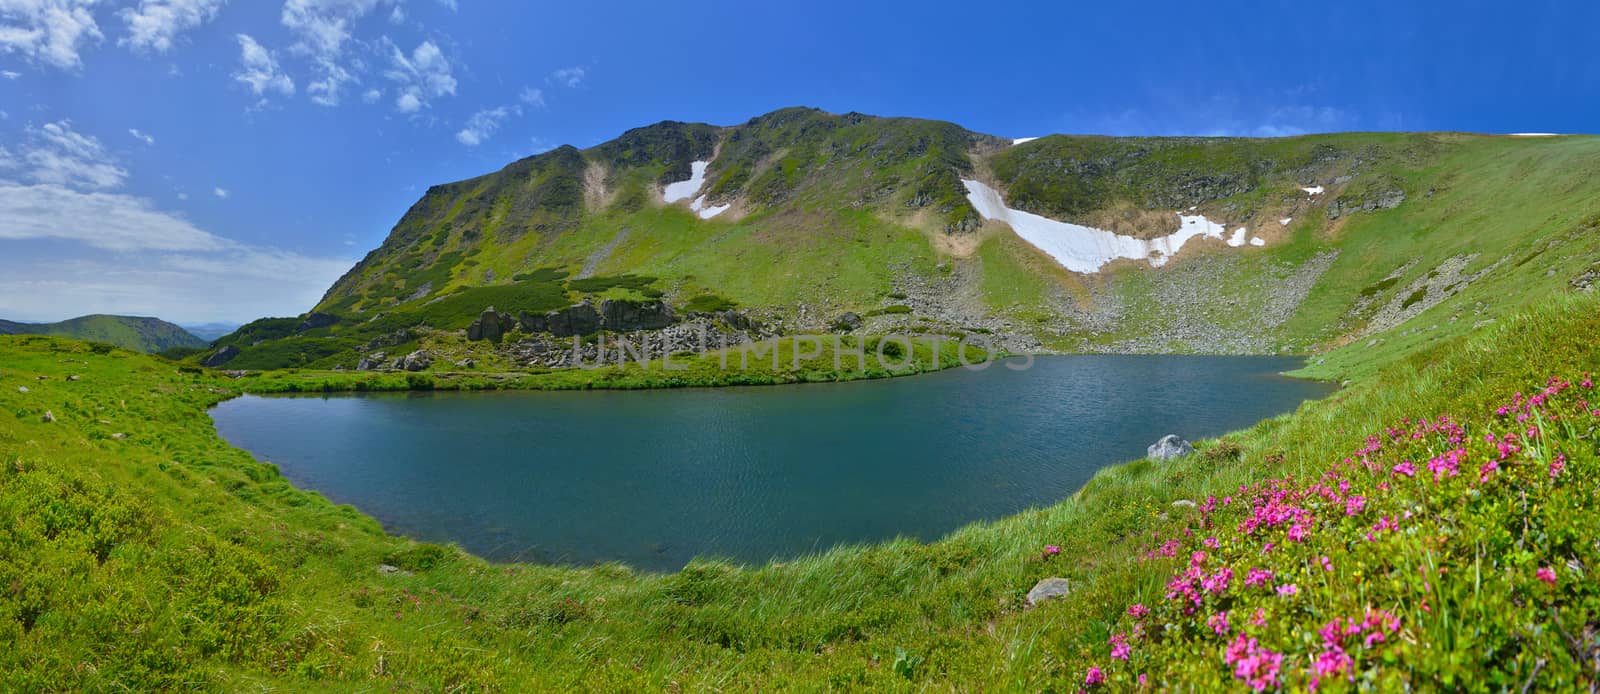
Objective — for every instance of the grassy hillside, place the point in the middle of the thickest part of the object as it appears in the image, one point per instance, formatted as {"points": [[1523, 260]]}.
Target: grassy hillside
{"points": [[148, 335], [852, 213], [1428, 527]]}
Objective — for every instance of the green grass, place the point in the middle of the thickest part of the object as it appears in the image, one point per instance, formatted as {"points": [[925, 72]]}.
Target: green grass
{"points": [[166, 559], [768, 362]]}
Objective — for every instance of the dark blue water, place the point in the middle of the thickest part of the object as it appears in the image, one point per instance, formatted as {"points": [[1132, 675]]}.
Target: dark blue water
{"points": [[653, 478]]}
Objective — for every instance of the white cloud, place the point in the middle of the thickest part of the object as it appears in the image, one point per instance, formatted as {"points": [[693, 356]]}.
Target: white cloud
{"points": [[10, 74], [183, 196], [372, 95], [568, 76], [107, 221], [57, 154], [322, 29], [483, 124], [135, 259], [220, 192], [144, 137], [157, 23], [448, 4], [423, 75], [258, 68], [48, 31]]}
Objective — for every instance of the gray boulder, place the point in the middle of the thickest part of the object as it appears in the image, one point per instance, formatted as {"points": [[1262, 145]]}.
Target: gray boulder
{"points": [[220, 357], [415, 361], [491, 325], [371, 362], [846, 323], [737, 320], [1169, 447], [1048, 589]]}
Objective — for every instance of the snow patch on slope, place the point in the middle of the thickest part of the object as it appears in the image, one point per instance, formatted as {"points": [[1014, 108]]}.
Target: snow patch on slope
{"points": [[1020, 140], [1237, 239], [699, 205], [1313, 190], [1285, 221], [683, 190], [1258, 241], [1086, 249]]}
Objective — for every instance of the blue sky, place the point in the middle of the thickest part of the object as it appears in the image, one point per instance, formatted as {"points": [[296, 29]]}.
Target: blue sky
{"points": [[207, 160]]}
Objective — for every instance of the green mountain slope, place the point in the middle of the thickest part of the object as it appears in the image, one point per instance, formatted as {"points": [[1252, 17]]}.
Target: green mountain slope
{"points": [[129, 332], [827, 214]]}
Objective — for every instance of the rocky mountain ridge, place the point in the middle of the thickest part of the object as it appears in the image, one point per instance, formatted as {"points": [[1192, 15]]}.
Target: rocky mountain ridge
{"points": [[799, 217]]}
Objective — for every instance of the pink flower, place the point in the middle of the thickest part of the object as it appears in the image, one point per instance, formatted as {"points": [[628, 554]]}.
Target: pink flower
{"points": [[1257, 666], [1354, 505], [1288, 589], [1558, 465], [1259, 618], [1051, 550], [1487, 469], [1212, 542], [1094, 676], [1138, 611], [1218, 582], [1219, 623], [1120, 650], [1332, 661], [1405, 469], [1546, 574], [1144, 680], [1327, 564], [1258, 577]]}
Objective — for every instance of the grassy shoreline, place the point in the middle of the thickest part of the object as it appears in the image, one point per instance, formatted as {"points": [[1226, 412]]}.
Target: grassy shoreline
{"points": [[141, 551], [776, 364]]}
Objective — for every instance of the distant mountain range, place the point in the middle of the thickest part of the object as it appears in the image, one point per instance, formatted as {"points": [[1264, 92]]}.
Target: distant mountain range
{"points": [[129, 332], [210, 331]]}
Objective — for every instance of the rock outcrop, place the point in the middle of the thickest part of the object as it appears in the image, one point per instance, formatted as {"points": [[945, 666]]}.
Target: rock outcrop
{"points": [[398, 337], [1169, 447], [621, 315], [491, 325], [220, 357], [372, 362], [1387, 200], [578, 319], [317, 319]]}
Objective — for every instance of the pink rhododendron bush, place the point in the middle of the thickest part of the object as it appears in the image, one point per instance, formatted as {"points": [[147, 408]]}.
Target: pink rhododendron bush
{"points": [[1443, 553]]}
